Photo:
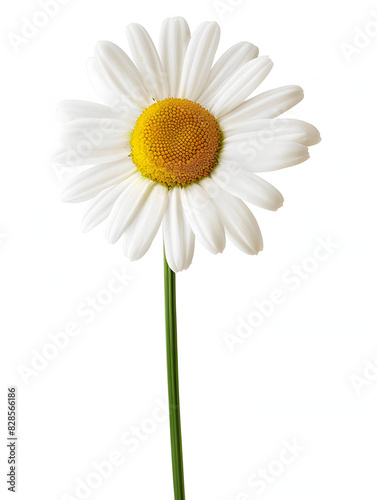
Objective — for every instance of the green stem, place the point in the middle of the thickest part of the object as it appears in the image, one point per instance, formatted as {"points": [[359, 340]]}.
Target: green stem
{"points": [[173, 384]]}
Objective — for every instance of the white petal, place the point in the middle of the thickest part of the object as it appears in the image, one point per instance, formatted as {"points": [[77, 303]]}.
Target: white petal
{"points": [[266, 105], [76, 110], [259, 157], [179, 240], [122, 75], [198, 61], [85, 154], [247, 186], [69, 110], [100, 207], [174, 39], [240, 86], [262, 132], [135, 194], [139, 235], [204, 218], [240, 224], [230, 62], [102, 133], [148, 61], [101, 85], [87, 184]]}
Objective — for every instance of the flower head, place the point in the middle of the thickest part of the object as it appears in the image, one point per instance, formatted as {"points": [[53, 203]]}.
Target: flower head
{"points": [[178, 144]]}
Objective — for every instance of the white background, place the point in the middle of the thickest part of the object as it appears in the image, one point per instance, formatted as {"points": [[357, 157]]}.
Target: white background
{"points": [[294, 379]]}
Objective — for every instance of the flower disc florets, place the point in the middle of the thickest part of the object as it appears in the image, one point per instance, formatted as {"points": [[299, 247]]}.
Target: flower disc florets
{"points": [[175, 142]]}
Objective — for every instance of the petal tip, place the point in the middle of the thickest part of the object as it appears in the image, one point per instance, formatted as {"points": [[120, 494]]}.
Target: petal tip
{"points": [[316, 138], [66, 196], [111, 239], [86, 226]]}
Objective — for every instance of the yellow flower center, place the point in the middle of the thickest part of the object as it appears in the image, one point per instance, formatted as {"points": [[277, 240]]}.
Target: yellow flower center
{"points": [[175, 142]]}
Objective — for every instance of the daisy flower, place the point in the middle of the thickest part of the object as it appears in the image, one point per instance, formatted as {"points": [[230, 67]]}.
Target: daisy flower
{"points": [[179, 142]]}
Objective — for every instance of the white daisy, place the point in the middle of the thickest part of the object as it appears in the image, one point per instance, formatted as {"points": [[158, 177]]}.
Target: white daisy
{"points": [[177, 144]]}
